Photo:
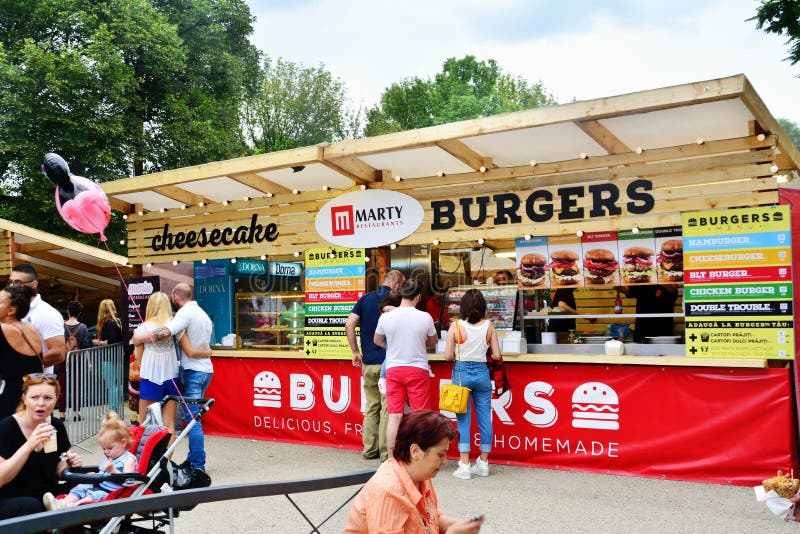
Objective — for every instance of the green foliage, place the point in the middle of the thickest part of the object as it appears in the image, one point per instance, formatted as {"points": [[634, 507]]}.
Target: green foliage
{"points": [[781, 17], [465, 89], [792, 129], [295, 106], [117, 87]]}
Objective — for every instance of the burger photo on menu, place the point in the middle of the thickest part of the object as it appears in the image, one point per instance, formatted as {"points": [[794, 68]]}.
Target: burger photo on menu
{"points": [[530, 272], [670, 260], [637, 265], [599, 266], [564, 269]]}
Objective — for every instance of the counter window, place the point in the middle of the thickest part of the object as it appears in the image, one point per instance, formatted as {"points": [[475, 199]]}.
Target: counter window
{"points": [[270, 312]]}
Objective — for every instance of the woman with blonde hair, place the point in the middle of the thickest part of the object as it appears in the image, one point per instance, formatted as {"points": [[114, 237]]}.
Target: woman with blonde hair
{"points": [[158, 360], [109, 328], [27, 469], [109, 331]]}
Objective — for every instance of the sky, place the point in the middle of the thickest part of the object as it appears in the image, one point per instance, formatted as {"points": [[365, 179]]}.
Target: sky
{"points": [[578, 49]]}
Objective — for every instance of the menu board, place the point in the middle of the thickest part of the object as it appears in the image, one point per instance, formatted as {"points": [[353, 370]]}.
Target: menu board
{"points": [[738, 292], [630, 257], [334, 281]]}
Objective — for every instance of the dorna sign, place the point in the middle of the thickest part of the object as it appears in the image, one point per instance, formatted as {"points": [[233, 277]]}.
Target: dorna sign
{"points": [[370, 218]]}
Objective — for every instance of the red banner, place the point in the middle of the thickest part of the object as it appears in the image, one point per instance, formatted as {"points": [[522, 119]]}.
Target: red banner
{"points": [[719, 425]]}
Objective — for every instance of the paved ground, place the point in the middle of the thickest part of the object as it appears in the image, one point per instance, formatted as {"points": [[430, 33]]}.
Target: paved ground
{"points": [[514, 499]]}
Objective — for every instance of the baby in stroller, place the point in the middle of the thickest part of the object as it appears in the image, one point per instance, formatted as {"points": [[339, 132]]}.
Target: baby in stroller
{"points": [[115, 440]]}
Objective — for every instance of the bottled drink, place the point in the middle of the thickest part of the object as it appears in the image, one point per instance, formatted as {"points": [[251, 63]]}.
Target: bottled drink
{"points": [[618, 304]]}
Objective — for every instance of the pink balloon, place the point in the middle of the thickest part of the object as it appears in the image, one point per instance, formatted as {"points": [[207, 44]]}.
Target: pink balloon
{"points": [[88, 211]]}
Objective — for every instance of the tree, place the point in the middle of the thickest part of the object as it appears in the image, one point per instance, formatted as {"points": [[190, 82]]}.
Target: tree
{"points": [[792, 130], [296, 106], [117, 87], [781, 17], [465, 89]]}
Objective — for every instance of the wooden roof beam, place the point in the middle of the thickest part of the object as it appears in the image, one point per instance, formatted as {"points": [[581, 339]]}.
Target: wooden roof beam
{"points": [[465, 154], [181, 195], [353, 168], [615, 106], [603, 137], [216, 169], [120, 205], [769, 124], [259, 183]]}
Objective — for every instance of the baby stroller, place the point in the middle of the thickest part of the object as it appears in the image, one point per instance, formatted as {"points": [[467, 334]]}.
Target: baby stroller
{"points": [[150, 445]]}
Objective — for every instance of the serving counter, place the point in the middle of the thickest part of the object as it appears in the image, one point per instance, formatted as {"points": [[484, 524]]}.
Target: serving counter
{"points": [[665, 416]]}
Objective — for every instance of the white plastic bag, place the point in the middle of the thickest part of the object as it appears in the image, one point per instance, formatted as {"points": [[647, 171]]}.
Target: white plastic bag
{"points": [[783, 508]]}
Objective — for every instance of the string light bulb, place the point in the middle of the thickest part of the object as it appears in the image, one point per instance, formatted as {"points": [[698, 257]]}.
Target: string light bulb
{"points": [[201, 203], [233, 260], [124, 217], [263, 256], [635, 230], [436, 242], [393, 246], [579, 233], [224, 202], [296, 253], [481, 241], [398, 178], [203, 261], [774, 168]]}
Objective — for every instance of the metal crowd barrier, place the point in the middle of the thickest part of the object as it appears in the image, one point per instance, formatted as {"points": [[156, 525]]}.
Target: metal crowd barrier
{"points": [[95, 384], [90, 513]]}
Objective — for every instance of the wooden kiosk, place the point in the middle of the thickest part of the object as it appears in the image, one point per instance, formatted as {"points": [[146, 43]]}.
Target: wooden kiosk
{"points": [[558, 171]]}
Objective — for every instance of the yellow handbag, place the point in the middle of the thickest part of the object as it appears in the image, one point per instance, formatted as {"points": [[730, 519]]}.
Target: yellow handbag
{"points": [[455, 397]]}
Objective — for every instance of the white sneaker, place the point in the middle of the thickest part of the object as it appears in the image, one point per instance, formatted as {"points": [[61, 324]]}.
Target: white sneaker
{"points": [[50, 502], [463, 471], [480, 468]]}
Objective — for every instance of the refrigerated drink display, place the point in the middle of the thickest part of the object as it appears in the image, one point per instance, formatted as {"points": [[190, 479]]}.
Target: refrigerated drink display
{"points": [[500, 304]]}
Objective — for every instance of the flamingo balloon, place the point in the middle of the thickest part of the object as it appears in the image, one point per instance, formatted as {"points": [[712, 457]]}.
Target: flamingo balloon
{"points": [[80, 202]]}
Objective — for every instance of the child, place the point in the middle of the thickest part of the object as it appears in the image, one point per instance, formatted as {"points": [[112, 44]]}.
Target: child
{"points": [[115, 439]]}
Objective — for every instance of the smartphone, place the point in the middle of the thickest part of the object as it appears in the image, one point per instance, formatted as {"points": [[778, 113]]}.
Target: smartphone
{"points": [[478, 517]]}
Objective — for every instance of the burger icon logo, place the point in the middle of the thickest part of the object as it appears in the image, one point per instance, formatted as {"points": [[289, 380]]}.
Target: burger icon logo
{"points": [[267, 390], [595, 405]]}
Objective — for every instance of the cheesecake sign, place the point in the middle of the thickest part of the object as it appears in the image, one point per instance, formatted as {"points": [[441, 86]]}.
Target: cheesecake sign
{"points": [[370, 218]]}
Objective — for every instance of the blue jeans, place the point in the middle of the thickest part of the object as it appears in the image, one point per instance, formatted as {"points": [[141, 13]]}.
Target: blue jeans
{"points": [[475, 376], [195, 384]]}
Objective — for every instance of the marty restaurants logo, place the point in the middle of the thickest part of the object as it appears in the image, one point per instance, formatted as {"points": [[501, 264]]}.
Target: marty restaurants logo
{"points": [[370, 218]]}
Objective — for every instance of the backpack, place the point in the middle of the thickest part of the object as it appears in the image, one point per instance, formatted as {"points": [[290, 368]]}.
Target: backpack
{"points": [[72, 341]]}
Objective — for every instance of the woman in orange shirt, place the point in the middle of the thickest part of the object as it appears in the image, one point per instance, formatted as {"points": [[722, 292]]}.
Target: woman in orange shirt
{"points": [[399, 498]]}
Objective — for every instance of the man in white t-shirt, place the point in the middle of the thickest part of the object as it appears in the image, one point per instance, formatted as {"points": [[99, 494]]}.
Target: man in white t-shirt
{"points": [[406, 332], [47, 320], [196, 373]]}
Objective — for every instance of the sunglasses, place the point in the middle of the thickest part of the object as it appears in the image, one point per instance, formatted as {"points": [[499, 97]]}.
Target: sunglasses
{"points": [[39, 377]]}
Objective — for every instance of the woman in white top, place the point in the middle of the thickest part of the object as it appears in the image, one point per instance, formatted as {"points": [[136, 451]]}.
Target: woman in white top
{"points": [[468, 341], [159, 361]]}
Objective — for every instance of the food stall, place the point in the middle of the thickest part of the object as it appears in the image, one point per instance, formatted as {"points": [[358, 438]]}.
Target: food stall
{"points": [[617, 173], [68, 270]]}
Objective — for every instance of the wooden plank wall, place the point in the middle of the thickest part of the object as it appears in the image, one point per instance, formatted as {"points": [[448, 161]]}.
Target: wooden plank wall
{"points": [[602, 301]]}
